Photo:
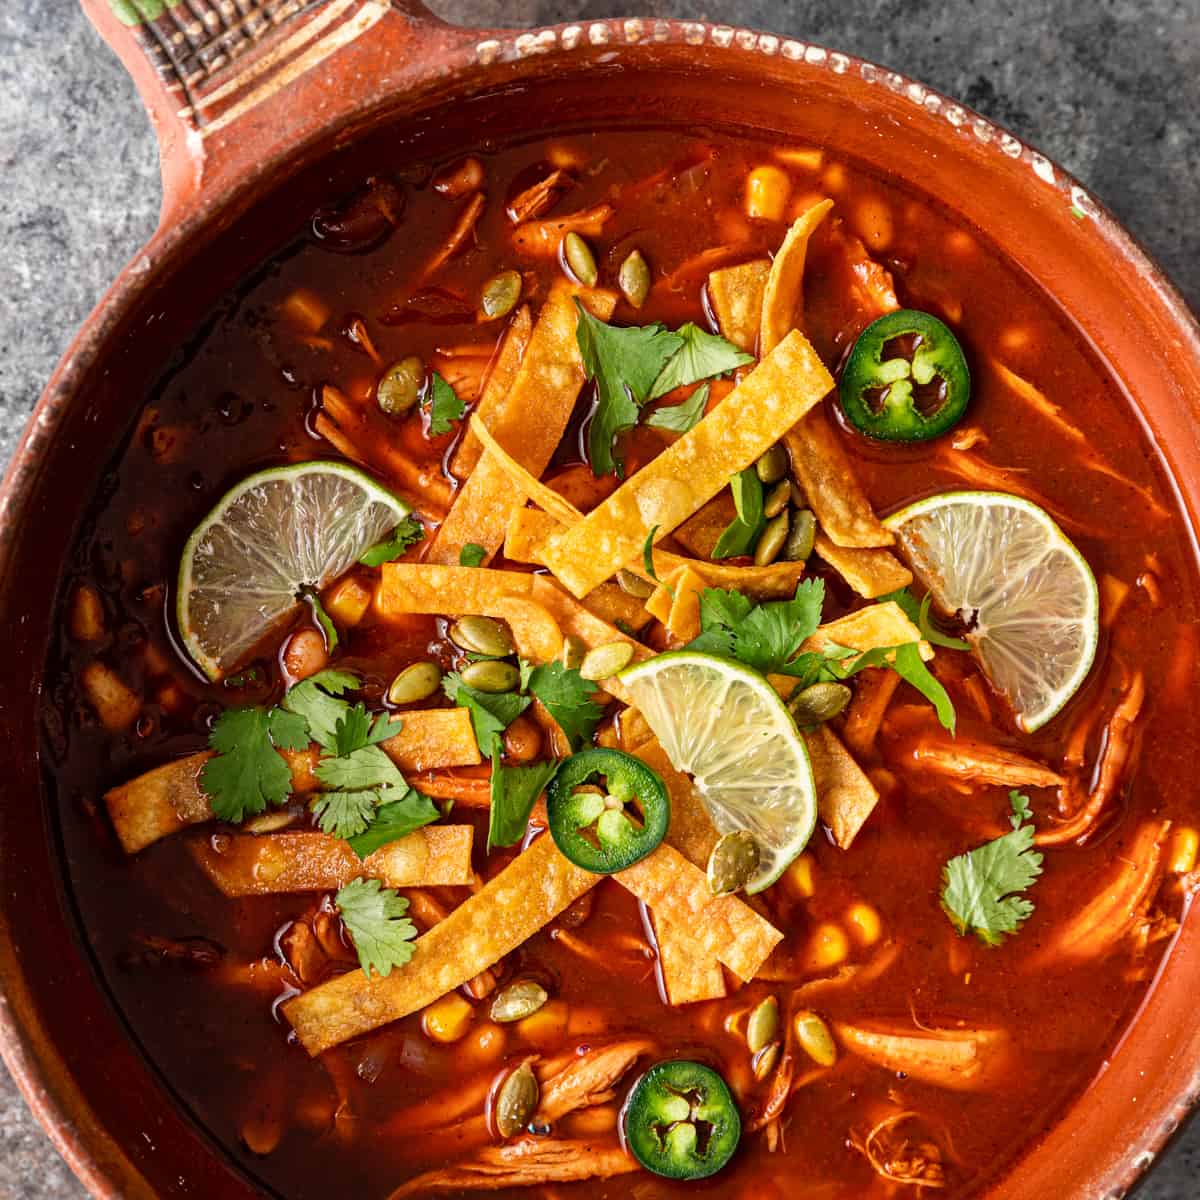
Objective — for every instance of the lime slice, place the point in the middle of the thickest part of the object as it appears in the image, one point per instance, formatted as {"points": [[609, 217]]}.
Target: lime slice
{"points": [[724, 725], [1025, 593], [275, 534]]}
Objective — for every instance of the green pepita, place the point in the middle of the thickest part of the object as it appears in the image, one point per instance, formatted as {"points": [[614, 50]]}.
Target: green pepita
{"points": [[516, 1101], [491, 675], [604, 661], [500, 294], [800, 539], [777, 499], [573, 651], [763, 1024], [580, 261], [634, 585], [772, 540], [773, 465], [400, 387], [517, 1001], [819, 703], [634, 278], [414, 683], [764, 1062], [482, 635], [813, 1035], [733, 862]]}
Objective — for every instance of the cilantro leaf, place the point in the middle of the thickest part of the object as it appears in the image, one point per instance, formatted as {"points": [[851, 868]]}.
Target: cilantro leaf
{"points": [[909, 665], [568, 699], [444, 405], [355, 729], [471, 555], [648, 559], [406, 534], [701, 356], [394, 820], [375, 917], [366, 767], [742, 532], [624, 362], [315, 699], [980, 888], [679, 418], [246, 774], [514, 792], [917, 611], [344, 814], [491, 713], [763, 636]]}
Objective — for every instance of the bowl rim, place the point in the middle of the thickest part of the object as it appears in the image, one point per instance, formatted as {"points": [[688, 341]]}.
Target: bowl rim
{"points": [[43, 1079]]}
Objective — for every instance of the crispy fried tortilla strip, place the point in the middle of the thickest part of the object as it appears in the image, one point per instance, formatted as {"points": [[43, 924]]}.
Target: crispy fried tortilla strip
{"points": [[736, 296], [530, 419], [612, 603], [308, 861], [869, 628], [535, 632], [686, 978], [665, 492], [845, 796], [721, 927], [499, 383], [870, 572], [691, 832], [822, 469], [683, 620], [169, 798], [546, 498], [700, 533], [783, 295], [525, 896], [658, 604]]}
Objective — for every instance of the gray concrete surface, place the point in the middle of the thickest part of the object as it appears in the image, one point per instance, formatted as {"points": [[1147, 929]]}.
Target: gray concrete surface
{"points": [[1108, 88]]}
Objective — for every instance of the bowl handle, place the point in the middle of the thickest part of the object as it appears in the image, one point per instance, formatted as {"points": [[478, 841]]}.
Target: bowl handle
{"points": [[229, 82]]}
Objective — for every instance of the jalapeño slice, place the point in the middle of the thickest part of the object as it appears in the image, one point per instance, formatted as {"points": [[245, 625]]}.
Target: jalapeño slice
{"points": [[906, 379], [680, 1121], [611, 826]]}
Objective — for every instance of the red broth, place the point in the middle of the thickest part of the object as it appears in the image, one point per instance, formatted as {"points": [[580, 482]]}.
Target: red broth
{"points": [[199, 978]]}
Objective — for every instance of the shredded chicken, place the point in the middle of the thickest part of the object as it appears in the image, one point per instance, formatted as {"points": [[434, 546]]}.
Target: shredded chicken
{"points": [[524, 1163], [589, 1079], [543, 237], [537, 200], [963, 1060], [900, 1151], [463, 229]]}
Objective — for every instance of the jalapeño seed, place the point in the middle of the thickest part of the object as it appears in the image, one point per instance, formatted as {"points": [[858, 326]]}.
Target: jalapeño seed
{"points": [[799, 542], [604, 661], [733, 862], [634, 278], [400, 387], [763, 1024], [773, 465], [414, 683], [491, 675], [500, 294], [482, 635], [579, 259], [772, 540], [516, 1101], [518, 1001], [634, 585], [818, 703]]}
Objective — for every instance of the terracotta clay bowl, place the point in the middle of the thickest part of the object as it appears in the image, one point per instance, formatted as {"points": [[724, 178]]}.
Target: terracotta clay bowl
{"points": [[263, 109]]}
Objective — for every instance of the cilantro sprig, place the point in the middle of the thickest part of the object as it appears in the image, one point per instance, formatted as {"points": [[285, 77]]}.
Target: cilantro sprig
{"points": [[514, 791], [443, 404], [740, 535], [981, 890], [569, 699], [917, 611], [406, 534], [491, 712], [679, 418], [376, 917]]}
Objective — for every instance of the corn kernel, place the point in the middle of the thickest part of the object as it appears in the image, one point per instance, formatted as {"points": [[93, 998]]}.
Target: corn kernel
{"points": [[800, 876], [767, 192], [485, 1045], [800, 157], [306, 309], [546, 1027], [803, 203], [829, 947], [834, 179], [347, 601], [1185, 842], [86, 622], [864, 924], [447, 1019], [960, 243], [873, 223]]}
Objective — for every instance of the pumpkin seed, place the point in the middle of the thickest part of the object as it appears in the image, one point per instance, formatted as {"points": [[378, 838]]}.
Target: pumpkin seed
{"points": [[773, 465], [634, 278], [414, 683], [491, 675], [799, 499], [400, 387], [604, 661], [573, 651], [635, 585], [813, 1035], [771, 540], [580, 260], [269, 822], [518, 1001], [777, 499], [733, 862], [799, 542], [516, 1101], [763, 1063], [763, 1025], [482, 635], [818, 703], [500, 294]]}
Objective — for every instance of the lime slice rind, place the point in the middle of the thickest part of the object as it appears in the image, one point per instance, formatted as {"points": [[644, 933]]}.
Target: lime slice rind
{"points": [[725, 726], [274, 534], [1002, 563]]}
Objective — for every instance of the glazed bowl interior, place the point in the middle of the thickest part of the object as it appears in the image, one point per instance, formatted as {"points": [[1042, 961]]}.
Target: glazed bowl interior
{"points": [[115, 1117]]}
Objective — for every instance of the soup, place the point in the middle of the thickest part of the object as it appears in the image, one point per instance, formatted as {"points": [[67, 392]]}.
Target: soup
{"points": [[417, 858]]}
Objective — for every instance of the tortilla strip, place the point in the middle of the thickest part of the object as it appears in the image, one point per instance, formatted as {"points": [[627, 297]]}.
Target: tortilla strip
{"points": [[308, 861], [869, 628], [691, 832], [499, 382], [700, 533], [169, 798], [783, 296], [658, 604], [845, 796], [721, 927], [672, 486], [535, 632], [612, 603], [683, 621], [736, 296], [870, 572], [531, 419], [514, 904], [546, 498], [686, 979]]}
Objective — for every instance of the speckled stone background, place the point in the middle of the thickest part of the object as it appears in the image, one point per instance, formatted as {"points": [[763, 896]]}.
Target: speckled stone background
{"points": [[1108, 88]]}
